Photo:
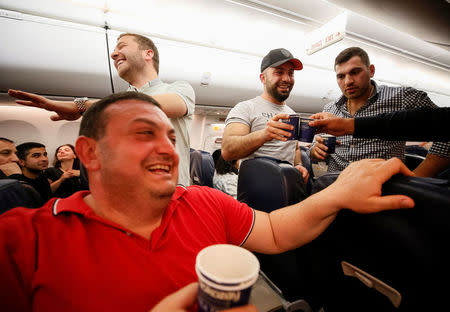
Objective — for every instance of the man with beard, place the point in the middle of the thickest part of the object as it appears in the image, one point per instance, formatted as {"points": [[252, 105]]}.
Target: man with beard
{"points": [[133, 238], [253, 127], [33, 160], [363, 97], [136, 59]]}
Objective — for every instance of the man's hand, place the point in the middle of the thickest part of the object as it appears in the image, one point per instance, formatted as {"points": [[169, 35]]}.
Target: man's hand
{"points": [[276, 129], [304, 172], [65, 110], [184, 299], [67, 175], [329, 123], [358, 187], [10, 168], [319, 150], [180, 301]]}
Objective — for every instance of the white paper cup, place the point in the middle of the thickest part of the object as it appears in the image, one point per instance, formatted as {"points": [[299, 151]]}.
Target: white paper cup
{"points": [[226, 274]]}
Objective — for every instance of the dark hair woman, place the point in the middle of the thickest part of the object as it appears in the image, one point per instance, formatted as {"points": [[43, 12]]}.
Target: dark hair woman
{"points": [[64, 176], [226, 176]]}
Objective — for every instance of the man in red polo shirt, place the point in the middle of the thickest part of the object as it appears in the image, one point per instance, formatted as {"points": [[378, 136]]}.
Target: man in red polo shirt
{"points": [[132, 240]]}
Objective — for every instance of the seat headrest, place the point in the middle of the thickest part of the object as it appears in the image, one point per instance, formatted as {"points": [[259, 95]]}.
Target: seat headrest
{"points": [[266, 184], [201, 168]]}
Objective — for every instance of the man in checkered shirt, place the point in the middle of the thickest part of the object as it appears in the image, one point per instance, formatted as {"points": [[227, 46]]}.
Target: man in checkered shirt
{"points": [[361, 97]]}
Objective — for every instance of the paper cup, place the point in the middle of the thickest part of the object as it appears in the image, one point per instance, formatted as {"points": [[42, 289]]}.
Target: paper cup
{"points": [[330, 141], [226, 274], [294, 119], [306, 131]]}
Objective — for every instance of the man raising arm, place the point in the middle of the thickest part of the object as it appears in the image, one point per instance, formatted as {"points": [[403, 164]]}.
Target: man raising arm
{"points": [[136, 228], [136, 59]]}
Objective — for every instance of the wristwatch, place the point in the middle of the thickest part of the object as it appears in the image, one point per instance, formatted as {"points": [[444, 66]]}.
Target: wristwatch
{"points": [[81, 104]]}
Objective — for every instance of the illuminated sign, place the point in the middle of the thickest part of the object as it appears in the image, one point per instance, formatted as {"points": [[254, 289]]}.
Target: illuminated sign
{"points": [[331, 32]]}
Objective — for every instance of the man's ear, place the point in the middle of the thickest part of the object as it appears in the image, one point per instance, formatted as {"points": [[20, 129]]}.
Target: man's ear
{"points": [[86, 150], [21, 162], [372, 70], [262, 77], [148, 54]]}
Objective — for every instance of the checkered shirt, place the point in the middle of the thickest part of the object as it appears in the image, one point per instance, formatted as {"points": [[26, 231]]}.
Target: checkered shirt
{"points": [[384, 100]]}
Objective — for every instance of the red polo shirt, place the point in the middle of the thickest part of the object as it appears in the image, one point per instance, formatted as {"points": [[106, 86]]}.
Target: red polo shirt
{"points": [[63, 257]]}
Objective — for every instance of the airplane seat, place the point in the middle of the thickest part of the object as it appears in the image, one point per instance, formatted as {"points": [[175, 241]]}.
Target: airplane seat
{"points": [[15, 193], [444, 175], [413, 160], [416, 150], [201, 168], [393, 260], [267, 184]]}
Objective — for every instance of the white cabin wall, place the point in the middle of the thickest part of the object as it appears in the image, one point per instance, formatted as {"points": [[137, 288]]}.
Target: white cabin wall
{"points": [[205, 129], [28, 124]]}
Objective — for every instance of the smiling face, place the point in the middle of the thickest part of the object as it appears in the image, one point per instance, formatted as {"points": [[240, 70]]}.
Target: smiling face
{"points": [[128, 57], [137, 153], [279, 81], [353, 78], [65, 152]]}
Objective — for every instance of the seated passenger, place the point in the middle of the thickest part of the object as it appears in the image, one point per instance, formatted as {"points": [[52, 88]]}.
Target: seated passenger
{"points": [[226, 176], [8, 159], [65, 173], [34, 161], [430, 124], [133, 238], [363, 97]]}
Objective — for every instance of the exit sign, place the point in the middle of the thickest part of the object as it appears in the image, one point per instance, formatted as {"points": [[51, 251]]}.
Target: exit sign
{"points": [[326, 35]]}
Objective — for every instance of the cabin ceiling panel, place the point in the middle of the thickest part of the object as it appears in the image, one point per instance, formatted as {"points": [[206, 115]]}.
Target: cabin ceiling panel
{"points": [[222, 37]]}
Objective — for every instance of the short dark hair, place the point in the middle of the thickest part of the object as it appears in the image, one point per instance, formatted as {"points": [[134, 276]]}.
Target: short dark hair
{"points": [[24, 149], [57, 162], [6, 140], [215, 155], [348, 53], [225, 166], [94, 120], [145, 43]]}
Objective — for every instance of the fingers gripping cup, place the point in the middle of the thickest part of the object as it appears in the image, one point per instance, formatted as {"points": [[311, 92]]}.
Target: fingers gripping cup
{"points": [[330, 141], [226, 274], [294, 121]]}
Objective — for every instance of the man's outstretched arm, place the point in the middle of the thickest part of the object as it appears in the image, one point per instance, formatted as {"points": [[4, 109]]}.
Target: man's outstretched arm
{"points": [[65, 110], [357, 188]]}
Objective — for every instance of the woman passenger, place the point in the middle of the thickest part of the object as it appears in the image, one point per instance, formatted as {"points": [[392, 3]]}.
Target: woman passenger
{"points": [[64, 176], [226, 176]]}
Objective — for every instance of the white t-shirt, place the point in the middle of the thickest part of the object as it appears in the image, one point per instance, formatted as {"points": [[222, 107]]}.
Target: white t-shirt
{"points": [[226, 183], [255, 113], [182, 125]]}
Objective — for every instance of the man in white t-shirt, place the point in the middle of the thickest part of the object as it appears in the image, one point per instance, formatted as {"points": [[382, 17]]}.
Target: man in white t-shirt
{"points": [[136, 59], [253, 127]]}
